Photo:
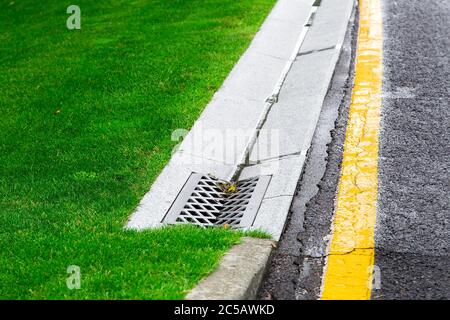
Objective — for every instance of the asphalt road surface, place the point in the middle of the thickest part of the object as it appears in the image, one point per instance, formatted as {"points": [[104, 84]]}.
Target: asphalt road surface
{"points": [[412, 233], [413, 229]]}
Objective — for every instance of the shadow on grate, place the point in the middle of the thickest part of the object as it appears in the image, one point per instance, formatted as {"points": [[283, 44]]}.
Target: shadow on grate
{"points": [[208, 201]]}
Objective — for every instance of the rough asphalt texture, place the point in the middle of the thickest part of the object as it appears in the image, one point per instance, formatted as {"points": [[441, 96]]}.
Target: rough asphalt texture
{"points": [[413, 218]]}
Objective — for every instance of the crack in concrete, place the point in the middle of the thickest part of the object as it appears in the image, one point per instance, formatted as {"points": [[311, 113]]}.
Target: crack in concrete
{"points": [[315, 51], [270, 102], [297, 153]]}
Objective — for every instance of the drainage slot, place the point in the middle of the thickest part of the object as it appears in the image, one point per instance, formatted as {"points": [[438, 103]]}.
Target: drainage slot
{"points": [[207, 201]]}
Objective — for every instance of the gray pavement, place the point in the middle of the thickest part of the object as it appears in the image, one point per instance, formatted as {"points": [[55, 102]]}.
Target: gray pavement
{"points": [[413, 220], [413, 216]]}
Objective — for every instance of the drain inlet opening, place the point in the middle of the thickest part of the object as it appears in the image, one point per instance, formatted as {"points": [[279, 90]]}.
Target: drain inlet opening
{"points": [[207, 201]]}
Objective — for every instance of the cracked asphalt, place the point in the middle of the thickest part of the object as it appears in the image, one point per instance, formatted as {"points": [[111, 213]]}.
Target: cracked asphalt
{"points": [[412, 233]]}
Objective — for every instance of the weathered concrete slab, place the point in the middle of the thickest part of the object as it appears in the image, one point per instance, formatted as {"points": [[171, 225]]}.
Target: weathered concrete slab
{"points": [[254, 76], [329, 25], [218, 136], [272, 215], [291, 11], [269, 42], [295, 115], [285, 173]]}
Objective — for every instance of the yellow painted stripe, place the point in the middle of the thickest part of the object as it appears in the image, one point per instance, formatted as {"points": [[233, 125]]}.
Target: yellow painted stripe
{"points": [[351, 252]]}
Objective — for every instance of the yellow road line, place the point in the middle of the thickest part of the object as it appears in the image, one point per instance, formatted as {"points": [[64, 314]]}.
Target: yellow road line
{"points": [[351, 252]]}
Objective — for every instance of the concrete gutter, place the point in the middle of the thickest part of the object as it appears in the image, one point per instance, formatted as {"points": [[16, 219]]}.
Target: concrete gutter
{"points": [[240, 272], [221, 135], [260, 122], [294, 117]]}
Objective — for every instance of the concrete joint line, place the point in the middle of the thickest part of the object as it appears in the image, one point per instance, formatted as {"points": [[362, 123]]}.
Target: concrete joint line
{"points": [[318, 50], [311, 17], [279, 196], [298, 153], [270, 101]]}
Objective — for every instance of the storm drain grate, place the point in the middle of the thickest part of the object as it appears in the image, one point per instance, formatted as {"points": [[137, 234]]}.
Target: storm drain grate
{"points": [[207, 201]]}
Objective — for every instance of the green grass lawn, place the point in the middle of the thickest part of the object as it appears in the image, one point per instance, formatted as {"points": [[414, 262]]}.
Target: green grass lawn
{"points": [[86, 119]]}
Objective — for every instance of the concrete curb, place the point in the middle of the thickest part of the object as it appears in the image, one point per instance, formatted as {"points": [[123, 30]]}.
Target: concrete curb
{"points": [[239, 273]]}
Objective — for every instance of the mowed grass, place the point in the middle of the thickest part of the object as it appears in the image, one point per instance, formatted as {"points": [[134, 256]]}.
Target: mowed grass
{"points": [[86, 120]]}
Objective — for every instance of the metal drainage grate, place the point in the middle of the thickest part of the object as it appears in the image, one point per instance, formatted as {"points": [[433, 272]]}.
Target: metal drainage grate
{"points": [[207, 201]]}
